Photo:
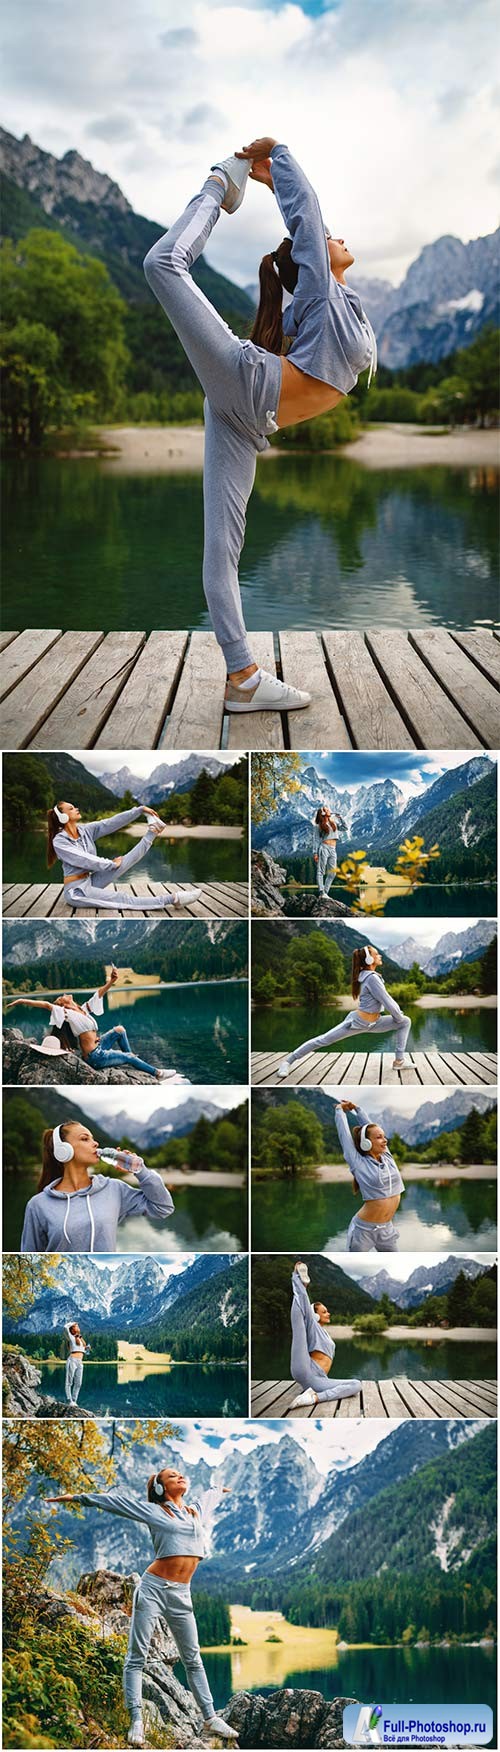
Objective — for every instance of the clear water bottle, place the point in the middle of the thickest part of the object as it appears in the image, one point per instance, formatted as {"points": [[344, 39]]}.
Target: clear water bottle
{"points": [[116, 1158]]}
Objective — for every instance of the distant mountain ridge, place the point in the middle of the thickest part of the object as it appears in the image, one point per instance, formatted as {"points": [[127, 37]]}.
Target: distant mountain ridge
{"points": [[397, 958], [138, 1295], [429, 1122], [166, 779], [195, 948]]}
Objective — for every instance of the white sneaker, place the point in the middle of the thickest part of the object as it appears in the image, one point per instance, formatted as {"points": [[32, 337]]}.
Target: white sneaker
{"points": [[185, 897], [220, 1729], [266, 694], [136, 1735], [399, 1064], [237, 171], [308, 1397], [284, 1068]]}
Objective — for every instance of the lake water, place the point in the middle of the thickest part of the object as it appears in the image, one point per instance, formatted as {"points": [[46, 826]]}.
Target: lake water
{"points": [[458, 1215], [445, 1030], [461, 1675], [186, 1390], [206, 1219], [378, 1358], [168, 860], [199, 1030], [328, 543], [430, 900]]}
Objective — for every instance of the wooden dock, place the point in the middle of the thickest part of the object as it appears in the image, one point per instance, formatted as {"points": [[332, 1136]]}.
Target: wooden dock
{"points": [[47, 900], [385, 689], [454, 1068], [395, 1397]]}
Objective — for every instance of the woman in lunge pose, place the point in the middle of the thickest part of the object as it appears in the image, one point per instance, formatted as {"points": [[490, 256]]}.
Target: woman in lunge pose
{"points": [[77, 1350], [375, 1175], [312, 1348], [87, 877], [73, 1026], [76, 1209], [180, 1543], [325, 834], [250, 388], [369, 988]]}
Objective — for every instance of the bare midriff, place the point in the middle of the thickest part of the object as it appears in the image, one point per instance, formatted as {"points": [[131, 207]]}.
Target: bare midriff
{"points": [[77, 876], [302, 397], [174, 1569], [322, 1360], [379, 1210], [88, 1042], [368, 1015]]}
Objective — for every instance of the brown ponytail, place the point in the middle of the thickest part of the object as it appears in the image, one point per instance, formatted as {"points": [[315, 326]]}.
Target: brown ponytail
{"points": [[267, 330], [53, 827], [358, 961], [51, 1170]]}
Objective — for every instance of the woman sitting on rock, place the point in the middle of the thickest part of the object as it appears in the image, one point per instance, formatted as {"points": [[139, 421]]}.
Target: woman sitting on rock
{"points": [[74, 1027]]}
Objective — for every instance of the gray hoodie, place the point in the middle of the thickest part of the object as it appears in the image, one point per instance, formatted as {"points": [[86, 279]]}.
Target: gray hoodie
{"points": [[376, 1179], [86, 1221], [80, 854], [332, 338], [176, 1534], [374, 996]]}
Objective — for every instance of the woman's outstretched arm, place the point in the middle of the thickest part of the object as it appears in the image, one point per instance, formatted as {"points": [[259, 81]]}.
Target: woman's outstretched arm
{"points": [[378, 987], [300, 209]]}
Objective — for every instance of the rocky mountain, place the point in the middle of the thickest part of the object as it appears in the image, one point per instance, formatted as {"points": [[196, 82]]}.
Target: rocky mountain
{"points": [[269, 944], [428, 1122], [180, 776], [450, 949], [139, 1294], [72, 781], [164, 1123], [424, 1281], [192, 948], [458, 811], [447, 296]]}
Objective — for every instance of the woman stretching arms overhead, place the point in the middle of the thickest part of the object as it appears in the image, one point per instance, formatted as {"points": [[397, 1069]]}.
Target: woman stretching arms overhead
{"points": [[368, 986], [250, 389], [375, 1175], [87, 877], [180, 1544], [312, 1348]]}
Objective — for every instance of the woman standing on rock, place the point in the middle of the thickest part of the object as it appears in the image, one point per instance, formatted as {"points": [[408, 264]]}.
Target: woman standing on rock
{"points": [[373, 999], [77, 1210], [77, 1350], [87, 877], [325, 835], [180, 1543], [73, 1027]]}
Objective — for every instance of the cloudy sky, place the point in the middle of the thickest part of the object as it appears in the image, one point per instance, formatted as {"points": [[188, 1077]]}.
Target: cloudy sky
{"points": [[390, 107], [406, 1101], [140, 1103], [406, 1263], [142, 765], [387, 933], [328, 1443], [413, 773]]}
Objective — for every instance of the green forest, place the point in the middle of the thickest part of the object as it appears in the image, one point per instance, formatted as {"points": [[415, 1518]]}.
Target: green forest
{"points": [[218, 959], [217, 1144], [314, 967], [28, 792], [290, 1138], [469, 1301]]}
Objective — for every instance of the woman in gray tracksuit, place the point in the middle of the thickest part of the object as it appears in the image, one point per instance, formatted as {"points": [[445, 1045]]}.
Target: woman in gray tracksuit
{"points": [[180, 1542], [78, 1210], [313, 1349], [369, 988], [250, 388], [87, 877], [375, 1175], [325, 835], [77, 1350]]}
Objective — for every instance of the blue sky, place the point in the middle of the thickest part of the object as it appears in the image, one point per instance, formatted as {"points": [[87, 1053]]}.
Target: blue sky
{"points": [[411, 771], [391, 106], [328, 1444]]}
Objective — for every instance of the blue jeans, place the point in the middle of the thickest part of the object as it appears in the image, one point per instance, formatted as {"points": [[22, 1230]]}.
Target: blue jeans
{"points": [[114, 1049]]}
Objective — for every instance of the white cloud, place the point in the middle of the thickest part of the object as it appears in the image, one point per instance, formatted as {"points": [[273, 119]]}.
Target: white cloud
{"points": [[390, 108]]}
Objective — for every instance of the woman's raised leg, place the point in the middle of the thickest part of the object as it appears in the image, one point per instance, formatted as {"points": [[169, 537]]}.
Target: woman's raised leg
{"points": [[209, 343]]}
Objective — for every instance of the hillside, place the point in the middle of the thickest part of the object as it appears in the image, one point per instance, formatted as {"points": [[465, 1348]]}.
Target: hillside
{"points": [[63, 953], [270, 940], [431, 1120]]}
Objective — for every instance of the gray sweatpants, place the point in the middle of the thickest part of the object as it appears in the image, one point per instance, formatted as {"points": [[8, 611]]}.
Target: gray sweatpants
{"points": [[327, 865], [73, 1379], [365, 1237], [96, 890], [353, 1024], [154, 1598], [242, 385]]}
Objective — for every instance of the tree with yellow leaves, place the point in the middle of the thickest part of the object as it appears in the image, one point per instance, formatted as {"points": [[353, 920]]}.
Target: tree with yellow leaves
{"points": [[272, 776], [24, 1276]]}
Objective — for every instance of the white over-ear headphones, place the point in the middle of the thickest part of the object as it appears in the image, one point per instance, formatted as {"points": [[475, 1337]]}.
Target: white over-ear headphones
{"points": [[60, 815], [63, 1152], [368, 957], [158, 1488], [364, 1142]]}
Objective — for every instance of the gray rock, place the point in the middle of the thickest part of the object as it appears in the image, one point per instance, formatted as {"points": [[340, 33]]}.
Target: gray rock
{"points": [[22, 1399], [287, 1718], [267, 879], [21, 1064]]}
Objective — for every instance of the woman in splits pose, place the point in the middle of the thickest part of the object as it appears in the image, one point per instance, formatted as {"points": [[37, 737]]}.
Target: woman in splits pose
{"points": [[325, 835], [73, 1026], [77, 1210], [369, 988], [87, 877], [250, 389], [180, 1543], [375, 1175], [77, 1350], [312, 1348]]}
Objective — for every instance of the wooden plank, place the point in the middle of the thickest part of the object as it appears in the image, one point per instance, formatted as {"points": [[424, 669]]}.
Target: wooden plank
{"points": [[394, 1405], [322, 724], [463, 1071], [468, 688], [7, 639], [373, 719], [351, 1407], [30, 703], [260, 1073], [196, 717], [258, 729], [139, 712], [280, 1397], [459, 1401], [22, 653], [485, 1393], [43, 899], [424, 1069], [481, 1072], [13, 895], [373, 1404], [432, 718], [84, 706], [411, 1397], [484, 651]]}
